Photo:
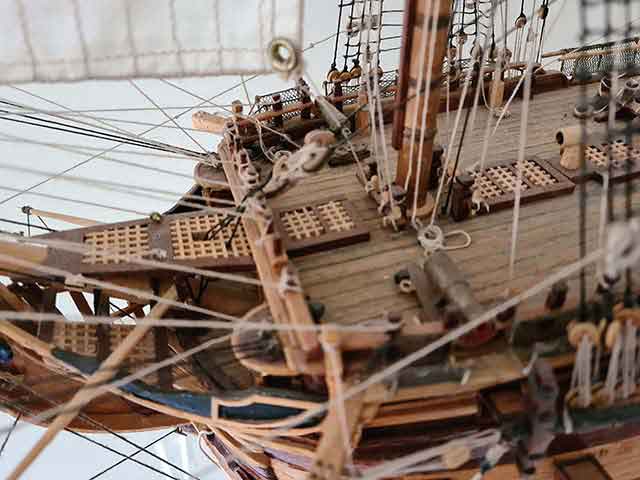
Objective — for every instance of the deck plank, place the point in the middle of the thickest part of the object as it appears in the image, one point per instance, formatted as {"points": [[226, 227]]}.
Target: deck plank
{"points": [[356, 282]]}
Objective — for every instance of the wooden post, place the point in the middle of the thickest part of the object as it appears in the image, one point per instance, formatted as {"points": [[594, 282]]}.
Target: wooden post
{"points": [[237, 109], [305, 113], [101, 307], [338, 93], [278, 121], [270, 259], [405, 171]]}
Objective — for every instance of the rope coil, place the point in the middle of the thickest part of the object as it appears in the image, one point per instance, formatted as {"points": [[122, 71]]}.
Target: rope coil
{"points": [[431, 238]]}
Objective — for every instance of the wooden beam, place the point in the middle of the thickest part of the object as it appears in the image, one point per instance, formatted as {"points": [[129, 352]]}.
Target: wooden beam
{"points": [[81, 302], [331, 453], [22, 252], [288, 307], [13, 300], [73, 220], [408, 167], [105, 373]]}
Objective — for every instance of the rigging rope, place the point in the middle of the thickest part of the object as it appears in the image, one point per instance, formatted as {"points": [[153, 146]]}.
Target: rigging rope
{"points": [[9, 433], [84, 417], [423, 124], [526, 102], [414, 121], [104, 134], [371, 327], [113, 385], [451, 336], [169, 117]]}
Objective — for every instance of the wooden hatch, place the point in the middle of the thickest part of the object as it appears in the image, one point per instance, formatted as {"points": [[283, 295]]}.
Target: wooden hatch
{"points": [[180, 239], [319, 226], [623, 158], [540, 180], [187, 239]]}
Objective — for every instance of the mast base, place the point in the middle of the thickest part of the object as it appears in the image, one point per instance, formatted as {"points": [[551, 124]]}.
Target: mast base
{"points": [[425, 210]]}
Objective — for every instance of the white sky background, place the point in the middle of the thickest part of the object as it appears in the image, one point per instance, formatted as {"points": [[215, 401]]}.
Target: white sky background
{"points": [[70, 457]]}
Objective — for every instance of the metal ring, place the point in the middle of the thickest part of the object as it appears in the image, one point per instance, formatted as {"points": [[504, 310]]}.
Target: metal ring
{"points": [[283, 55]]}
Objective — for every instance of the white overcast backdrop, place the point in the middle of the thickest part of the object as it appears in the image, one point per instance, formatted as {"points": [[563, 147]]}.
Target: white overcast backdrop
{"points": [[70, 457]]}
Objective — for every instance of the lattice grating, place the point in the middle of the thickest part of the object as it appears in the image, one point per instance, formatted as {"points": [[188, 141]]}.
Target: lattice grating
{"points": [[188, 243], [117, 245], [302, 223], [83, 339], [336, 216], [505, 178], [144, 351], [487, 188], [537, 175], [618, 152], [76, 337]]}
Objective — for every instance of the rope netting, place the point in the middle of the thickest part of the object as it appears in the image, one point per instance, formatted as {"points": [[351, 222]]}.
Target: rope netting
{"points": [[596, 60]]}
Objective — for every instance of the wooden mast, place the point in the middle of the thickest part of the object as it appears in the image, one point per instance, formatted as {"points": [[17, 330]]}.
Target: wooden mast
{"points": [[419, 15]]}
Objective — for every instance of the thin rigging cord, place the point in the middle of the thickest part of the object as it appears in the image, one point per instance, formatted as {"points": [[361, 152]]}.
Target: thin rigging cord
{"points": [[423, 123], [582, 215], [259, 124], [154, 264], [378, 97], [449, 337], [23, 224], [84, 162], [445, 166], [9, 433], [103, 133], [81, 112], [335, 48], [254, 348], [471, 112], [375, 110], [129, 457], [113, 385], [121, 188], [173, 120], [84, 149], [50, 124], [112, 120], [523, 77], [414, 120], [526, 101], [246, 93], [56, 272], [26, 411], [379, 327], [78, 150], [102, 122]]}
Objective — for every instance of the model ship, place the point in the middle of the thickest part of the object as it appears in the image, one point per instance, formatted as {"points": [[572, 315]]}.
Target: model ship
{"points": [[425, 273]]}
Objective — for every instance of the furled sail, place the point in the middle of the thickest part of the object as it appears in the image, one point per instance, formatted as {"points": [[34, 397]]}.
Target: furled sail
{"points": [[71, 40]]}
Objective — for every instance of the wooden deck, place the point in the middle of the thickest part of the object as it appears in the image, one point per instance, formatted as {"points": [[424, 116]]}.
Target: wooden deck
{"points": [[355, 283]]}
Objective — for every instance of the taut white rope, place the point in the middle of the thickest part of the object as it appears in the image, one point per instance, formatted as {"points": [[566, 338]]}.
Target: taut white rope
{"points": [[521, 152]]}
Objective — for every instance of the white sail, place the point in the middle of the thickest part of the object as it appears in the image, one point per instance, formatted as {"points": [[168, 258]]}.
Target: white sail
{"points": [[71, 40]]}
